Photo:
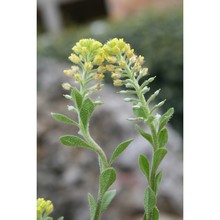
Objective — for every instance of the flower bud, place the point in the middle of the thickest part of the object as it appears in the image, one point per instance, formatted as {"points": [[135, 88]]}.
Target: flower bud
{"points": [[70, 108], [88, 66], [122, 64], [74, 58], [144, 71], [98, 60], [129, 85], [135, 119], [145, 89], [68, 73], [101, 69], [117, 82], [116, 75], [66, 86], [67, 97]]}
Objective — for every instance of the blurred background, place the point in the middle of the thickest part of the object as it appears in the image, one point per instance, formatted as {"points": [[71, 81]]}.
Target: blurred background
{"points": [[154, 28]]}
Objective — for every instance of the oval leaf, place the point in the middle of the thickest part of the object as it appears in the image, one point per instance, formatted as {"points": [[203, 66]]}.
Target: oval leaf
{"points": [[74, 141], [107, 198], [163, 137], [139, 112], [155, 214], [63, 118], [149, 201], [92, 206], [157, 158], [144, 166], [60, 218], [86, 111], [77, 97], [144, 134], [119, 149], [165, 118], [107, 178]]}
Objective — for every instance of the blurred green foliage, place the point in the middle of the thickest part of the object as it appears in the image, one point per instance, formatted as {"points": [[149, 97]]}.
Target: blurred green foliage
{"points": [[158, 36]]}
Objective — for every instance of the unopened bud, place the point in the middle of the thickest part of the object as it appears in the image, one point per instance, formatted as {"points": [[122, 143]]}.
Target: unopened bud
{"points": [[67, 97], [66, 86], [135, 119], [129, 85], [145, 89], [117, 82], [70, 108]]}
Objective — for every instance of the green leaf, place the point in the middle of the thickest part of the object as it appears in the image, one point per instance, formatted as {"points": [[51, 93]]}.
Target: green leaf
{"points": [[157, 181], [74, 141], [86, 111], [163, 137], [144, 134], [157, 158], [63, 118], [60, 218], [77, 97], [165, 118], [107, 198], [119, 149], [149, 201], [107, 178], [145, 217], [92, 206], [144, 166], [139, 112], [155, 214]]}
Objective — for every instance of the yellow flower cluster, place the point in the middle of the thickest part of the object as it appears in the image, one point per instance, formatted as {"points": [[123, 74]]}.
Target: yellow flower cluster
{"points": [[88, 54], [121, 58], [44, 206], [88, 50]]}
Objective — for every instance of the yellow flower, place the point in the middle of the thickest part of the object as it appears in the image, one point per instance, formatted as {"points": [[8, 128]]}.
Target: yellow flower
{"points": [[122, 64], [99, 59], [100, 76], [117, 82], [88, 66], [101, 69], [74, 58], [77, 77], [111, 59], [110, 68], [116, 75], [68, 72]]}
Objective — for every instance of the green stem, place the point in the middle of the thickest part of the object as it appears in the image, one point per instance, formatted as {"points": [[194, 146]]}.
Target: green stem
{"points": [[98, 209]]}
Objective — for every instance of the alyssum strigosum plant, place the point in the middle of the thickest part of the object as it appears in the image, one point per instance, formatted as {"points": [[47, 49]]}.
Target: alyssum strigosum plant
{"points": [[91, 60]]}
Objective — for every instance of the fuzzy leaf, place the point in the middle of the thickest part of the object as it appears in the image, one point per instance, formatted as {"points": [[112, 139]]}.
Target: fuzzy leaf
{"points": [[144, 134], [165, 118], [74, 141], [157, 158], [149, 201], [155, 214], [163, 137], [107, 198], [92, 206], [107, 178], [86, 111], [77, 97], [144, 166], [157, 181], [145, 217], [139, 112], [60, 218], [63, 118], [119, 149]]}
